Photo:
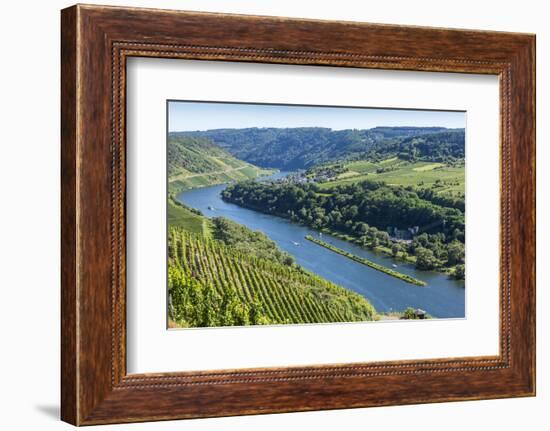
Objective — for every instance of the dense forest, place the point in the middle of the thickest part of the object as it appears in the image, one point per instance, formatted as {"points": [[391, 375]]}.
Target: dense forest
{"points": [[442, 146], [370, 212], [219, 282], [303, 147]]}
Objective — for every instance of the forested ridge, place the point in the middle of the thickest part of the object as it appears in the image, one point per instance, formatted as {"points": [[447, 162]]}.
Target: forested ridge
{"points": [[442, 146], [303, 147]]}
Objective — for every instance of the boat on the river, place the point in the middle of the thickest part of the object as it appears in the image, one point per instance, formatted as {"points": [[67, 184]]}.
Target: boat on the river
{"points": [[444, 298]]}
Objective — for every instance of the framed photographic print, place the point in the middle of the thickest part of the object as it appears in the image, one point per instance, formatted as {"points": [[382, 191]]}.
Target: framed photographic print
{"points": [[267, 215]]}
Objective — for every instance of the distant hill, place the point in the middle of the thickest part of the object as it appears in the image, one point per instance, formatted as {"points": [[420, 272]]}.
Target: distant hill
{"points": [[401, 132], [303, 147], [437, 146], [198, 162]]}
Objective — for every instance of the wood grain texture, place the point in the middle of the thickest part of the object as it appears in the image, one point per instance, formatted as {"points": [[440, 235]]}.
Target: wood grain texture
{"points": [[96, 41], [69, 397]]}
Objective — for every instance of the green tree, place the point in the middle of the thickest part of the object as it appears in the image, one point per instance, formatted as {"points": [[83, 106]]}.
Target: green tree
{"points": [[409, 314], [425, 259], [459, 272], [288, 260], [396, 249], [455, 253]]}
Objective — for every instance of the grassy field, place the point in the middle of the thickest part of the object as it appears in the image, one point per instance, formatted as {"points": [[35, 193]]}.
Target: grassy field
{"points": [[450, 179], [179, 216]]}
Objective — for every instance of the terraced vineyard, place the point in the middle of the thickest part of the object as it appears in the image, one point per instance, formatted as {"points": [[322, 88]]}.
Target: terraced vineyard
{"points": [[198, 162], [442, 178], [211, 284]]}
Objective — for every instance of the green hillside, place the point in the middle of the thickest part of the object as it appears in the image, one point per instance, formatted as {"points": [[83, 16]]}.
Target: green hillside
{"points": [[213, 284], [305, 147], [187, 218], [198, 162], [223, 274], [443, 178]]}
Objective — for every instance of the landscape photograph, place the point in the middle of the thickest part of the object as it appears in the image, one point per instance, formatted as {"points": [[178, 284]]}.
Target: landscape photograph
{"points": [[294, 214]]}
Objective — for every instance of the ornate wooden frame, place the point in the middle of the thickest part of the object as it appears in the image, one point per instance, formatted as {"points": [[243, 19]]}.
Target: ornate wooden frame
{"points": [[95, 42]]}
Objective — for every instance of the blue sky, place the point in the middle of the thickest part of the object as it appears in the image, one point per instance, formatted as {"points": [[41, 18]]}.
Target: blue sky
{"points": [[185, 116]]}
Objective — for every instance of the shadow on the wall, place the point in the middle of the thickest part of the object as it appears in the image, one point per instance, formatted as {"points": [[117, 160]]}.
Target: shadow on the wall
{"points": [[49, 410]]}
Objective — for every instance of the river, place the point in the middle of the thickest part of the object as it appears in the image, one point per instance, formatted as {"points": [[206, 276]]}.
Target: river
{"points": [[442, 297]]}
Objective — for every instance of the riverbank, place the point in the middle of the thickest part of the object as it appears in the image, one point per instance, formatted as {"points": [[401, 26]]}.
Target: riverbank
{"points": [[378, 249], [401, 256], [241, 278], [184, 182], [362, 260], [443, 297]]}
